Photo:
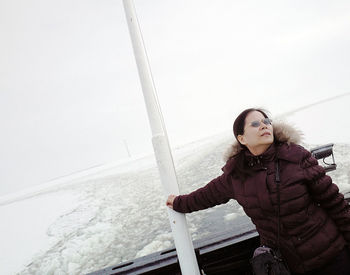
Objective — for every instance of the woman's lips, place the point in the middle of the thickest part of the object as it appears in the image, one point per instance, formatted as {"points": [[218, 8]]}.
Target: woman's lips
{"points": [[266, 134]]}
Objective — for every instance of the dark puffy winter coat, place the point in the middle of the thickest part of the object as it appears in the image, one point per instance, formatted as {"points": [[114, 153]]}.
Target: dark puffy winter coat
{"points": [[315, 218]]}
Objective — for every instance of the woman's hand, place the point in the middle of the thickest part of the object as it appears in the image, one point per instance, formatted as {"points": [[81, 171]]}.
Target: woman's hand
{"points": [[170, 201]]}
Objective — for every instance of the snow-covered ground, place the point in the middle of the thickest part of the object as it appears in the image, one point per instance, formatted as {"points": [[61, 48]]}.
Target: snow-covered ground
{"points": [[117, 214]]}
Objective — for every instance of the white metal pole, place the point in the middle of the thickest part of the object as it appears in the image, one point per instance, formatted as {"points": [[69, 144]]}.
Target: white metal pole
{"points": [[182, 238]]}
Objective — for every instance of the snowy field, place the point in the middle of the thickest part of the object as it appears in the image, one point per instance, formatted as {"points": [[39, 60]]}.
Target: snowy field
{"points": [[117, 214]]}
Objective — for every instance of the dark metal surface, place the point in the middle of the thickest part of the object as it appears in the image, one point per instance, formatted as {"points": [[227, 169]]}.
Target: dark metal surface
{"points": [[225, 253]]}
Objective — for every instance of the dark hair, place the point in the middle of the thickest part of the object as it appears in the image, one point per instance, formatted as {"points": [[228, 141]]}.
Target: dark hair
{"points": [[240, 165]]}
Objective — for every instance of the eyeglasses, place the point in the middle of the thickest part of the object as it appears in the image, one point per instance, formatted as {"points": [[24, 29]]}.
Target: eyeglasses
{"points": [[257, 123]]}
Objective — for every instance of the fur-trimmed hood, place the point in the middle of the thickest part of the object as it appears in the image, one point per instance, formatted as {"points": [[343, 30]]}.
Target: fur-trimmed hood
{"points": [[282, 132]]}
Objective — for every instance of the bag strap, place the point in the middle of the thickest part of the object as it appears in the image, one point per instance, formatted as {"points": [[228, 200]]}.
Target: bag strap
{"points": [[278, 181]]}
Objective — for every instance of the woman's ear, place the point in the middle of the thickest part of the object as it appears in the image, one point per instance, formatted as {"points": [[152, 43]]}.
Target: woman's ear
{"points": [[241, 139]]}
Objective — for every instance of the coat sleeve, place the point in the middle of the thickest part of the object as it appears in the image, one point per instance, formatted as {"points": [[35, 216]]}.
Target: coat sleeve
{"points": [[217, 191], [326, 193]]}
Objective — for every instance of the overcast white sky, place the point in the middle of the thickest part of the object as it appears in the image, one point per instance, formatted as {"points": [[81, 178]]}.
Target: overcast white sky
{"points": [[70, 93]]}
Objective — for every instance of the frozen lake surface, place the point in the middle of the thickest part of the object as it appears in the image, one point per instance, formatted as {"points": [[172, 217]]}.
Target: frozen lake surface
{"points": [[118, 214]]}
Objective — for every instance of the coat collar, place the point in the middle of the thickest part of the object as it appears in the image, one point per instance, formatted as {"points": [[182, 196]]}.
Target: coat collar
{"points": [[267, 156]]}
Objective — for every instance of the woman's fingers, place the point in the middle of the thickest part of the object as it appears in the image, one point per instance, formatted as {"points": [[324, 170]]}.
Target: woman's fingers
{"points": [[170, 201]]}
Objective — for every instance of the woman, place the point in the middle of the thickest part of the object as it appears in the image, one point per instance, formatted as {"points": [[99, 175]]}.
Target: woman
{"points": [[314, 217]]}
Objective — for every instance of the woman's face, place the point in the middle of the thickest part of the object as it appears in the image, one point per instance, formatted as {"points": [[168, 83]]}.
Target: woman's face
{"points": [[258, 133]]}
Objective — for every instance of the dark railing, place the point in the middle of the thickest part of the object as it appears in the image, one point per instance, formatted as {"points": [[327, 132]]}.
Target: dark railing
{"points": [[323, 152], [224, 253]]}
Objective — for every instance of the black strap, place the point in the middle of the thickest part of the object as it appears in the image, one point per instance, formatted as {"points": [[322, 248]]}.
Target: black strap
{"points": [[279, 254], [278, 181]]}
